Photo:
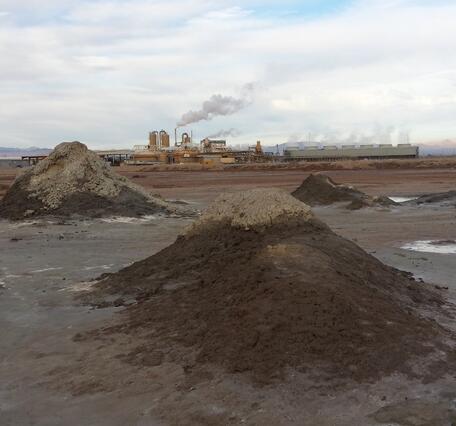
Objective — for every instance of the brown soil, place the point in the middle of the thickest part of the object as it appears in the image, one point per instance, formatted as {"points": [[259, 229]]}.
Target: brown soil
{"points": [[289, 295], [203, 186], [18, 205], [315, 166], [319, 189]]}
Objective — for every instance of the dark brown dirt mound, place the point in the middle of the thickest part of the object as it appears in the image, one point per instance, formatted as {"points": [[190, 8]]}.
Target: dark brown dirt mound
{"points": [[293, 294], [18, 205], [75, 181], [320, 189], [442, 198]]}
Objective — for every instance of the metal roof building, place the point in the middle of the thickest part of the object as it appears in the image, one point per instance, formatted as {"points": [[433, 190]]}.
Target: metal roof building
{"points": [[351, 152]]}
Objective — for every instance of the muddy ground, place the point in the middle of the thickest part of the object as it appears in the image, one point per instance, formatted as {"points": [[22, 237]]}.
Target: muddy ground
{"points": [[48, 378], [203, 186]]}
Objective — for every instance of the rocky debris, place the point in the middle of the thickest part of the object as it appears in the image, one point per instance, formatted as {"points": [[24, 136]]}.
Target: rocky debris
{"points": [[269, 293], [73, 180], [319, 189]]}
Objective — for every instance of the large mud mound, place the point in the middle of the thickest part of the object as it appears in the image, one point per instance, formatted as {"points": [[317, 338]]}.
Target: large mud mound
{"points": [[75, 181], [261, 296], [320, 189]]}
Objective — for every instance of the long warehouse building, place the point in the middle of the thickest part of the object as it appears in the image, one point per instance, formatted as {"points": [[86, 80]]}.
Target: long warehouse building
{"points": [[351, 152]]}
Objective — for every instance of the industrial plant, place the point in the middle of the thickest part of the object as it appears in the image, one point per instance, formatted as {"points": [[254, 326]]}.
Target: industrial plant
{"points": [[216, 152], [212, 152], [208, 151]]}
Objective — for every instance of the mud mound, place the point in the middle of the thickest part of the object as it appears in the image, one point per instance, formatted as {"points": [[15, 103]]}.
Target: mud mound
{"points": [[286, 293], [441, 198], [320, 189], [75, 181], [252, 209]]}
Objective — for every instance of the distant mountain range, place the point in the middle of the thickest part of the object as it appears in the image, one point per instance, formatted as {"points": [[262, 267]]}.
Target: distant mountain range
{"points": [[19, 152], [437, 149]]}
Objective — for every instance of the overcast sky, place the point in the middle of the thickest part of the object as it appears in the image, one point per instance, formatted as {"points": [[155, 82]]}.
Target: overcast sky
{"points": [[106, 72]]}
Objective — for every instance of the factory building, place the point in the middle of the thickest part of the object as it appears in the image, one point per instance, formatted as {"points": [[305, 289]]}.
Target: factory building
{"points": [[351, 152], [213, 145]]}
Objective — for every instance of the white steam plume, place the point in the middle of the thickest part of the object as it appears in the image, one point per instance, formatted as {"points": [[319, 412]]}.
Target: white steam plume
{"points": [[225, 133], [218, 105]]}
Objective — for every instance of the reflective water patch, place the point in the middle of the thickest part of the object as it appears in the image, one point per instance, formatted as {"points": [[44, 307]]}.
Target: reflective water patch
{"points": [[429, 246], [402, 199], [121, 219]]}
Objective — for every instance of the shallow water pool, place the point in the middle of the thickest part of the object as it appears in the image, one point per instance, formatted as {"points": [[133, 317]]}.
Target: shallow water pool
{"points": [[402, 199], [432, 246]]}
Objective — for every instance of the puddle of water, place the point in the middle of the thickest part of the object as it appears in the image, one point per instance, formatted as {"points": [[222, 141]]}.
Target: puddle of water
{"points": [[37, 223], [429, 246], [37, 271], [105, 267], [79, 287], [121, 219], [402, 199]]}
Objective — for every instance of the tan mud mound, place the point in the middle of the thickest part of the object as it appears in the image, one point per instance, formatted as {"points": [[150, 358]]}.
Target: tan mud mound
{"points": [[319, 189], [75, 181], [269, 295]]}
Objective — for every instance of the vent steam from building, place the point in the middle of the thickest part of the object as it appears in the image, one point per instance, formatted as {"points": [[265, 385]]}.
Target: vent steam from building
{"points": [[218, 105]]}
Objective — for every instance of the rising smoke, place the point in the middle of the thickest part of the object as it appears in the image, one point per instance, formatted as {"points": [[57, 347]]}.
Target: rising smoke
{"points": [[218, 105], [378, 135], [225, 133]]}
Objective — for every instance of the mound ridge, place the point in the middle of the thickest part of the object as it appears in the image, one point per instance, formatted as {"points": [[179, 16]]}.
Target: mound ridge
{"points": [[280, 294], [319, 189], [253, 209], [73, 180]]}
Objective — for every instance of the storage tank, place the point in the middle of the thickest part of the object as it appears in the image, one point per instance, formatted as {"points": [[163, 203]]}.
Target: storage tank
{"points": [[164, 139], [153, 139], [186, 139]]}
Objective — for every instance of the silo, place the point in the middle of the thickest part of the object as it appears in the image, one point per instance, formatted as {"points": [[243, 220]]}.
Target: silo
{"points": [[164, 139], [153, 139]]}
